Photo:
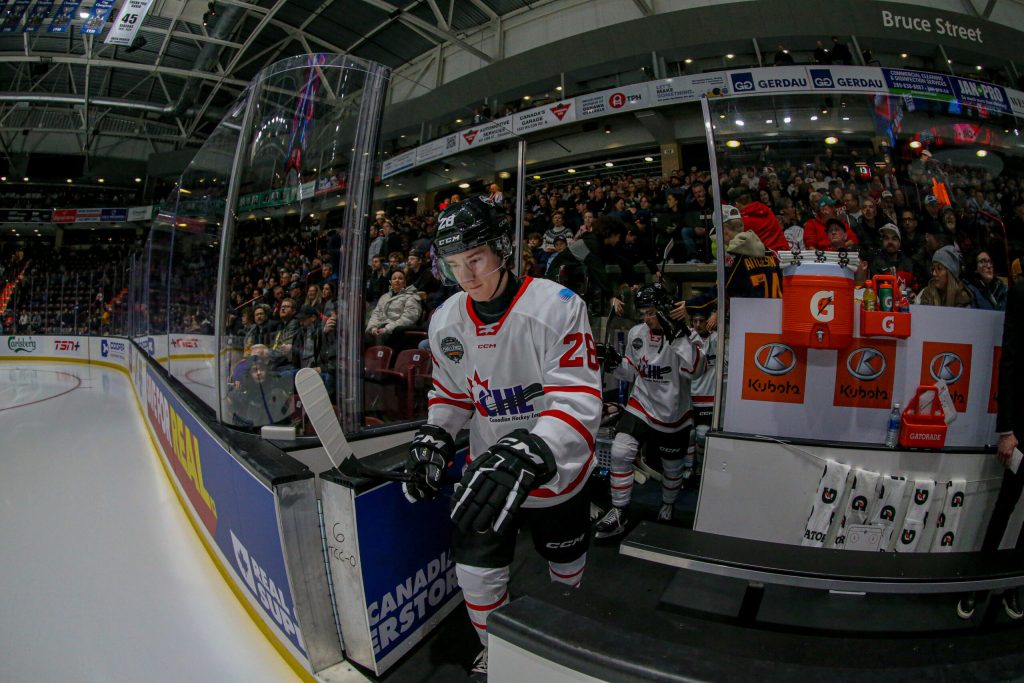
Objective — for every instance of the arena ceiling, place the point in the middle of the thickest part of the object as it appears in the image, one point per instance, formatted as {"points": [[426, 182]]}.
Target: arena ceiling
{"points": [[194, 57]]}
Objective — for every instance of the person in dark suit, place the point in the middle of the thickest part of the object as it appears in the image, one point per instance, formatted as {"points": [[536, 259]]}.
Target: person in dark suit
{"points": [[1010, 426]]}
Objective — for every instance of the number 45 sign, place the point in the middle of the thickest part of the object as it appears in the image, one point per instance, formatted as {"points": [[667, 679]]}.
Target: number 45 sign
{"points": [[128, 22]]}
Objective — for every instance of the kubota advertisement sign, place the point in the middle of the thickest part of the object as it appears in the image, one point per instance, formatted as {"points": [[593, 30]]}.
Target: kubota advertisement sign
{"points": [[773, 370]]}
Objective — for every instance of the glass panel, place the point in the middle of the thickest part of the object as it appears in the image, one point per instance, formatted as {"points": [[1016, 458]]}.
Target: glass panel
{"points": [[304, 170], [200, 212], [402, 287], [898, 185], [156, 289]]}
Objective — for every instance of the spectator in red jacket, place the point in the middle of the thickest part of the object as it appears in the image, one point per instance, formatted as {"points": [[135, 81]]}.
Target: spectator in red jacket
{"points": [[815, 231], [759, 218]]}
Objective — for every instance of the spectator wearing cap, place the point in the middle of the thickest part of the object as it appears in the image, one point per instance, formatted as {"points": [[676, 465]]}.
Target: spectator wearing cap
{"points": [[835, 230], [887, 205], [418, 275], [891, 257], [315, 346], [758, 217], [987, 291], [816, 231], [932, 213], [945, 288]]}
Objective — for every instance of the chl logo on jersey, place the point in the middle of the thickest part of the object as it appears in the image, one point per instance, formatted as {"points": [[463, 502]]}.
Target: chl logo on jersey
{"points": [[650, 371], [503, 401]]}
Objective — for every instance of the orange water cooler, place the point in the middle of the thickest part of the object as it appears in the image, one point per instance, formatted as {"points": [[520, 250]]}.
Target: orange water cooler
{"points": [[817, 305]]}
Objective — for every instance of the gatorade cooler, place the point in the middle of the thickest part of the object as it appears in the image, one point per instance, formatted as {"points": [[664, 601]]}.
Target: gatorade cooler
{"points": [[923, 429], [817, 305]]}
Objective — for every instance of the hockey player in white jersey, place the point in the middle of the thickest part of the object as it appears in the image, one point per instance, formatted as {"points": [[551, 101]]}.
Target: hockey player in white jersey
{"points": [[515, 362], [662, 358], [702, 391]]}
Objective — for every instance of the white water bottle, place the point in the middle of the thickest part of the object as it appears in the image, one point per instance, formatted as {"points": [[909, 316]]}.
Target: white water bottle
{"points": [[892, 434]]}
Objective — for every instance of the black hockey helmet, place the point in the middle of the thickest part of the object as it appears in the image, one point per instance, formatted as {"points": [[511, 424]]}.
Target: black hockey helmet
{"points": [[468, 224], [653, 295]]}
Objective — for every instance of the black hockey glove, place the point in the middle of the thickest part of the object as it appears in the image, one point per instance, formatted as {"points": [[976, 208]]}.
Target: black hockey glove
{"points": [[429, 454], [670, 329], [610, 358], [497, 482]]}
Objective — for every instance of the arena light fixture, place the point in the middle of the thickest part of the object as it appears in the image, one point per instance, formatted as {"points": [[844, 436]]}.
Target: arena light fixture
{"points": [[84, 14], [814, 117], [3, 178], [688, 61], [102, 180], [266, 218], [25, 179], [69, 181], [536, 177], [648, 159], [903, 55], [982, 153], [846, 118], [915, 144], [415, 199], [608, 164], [979, 67], [138, 180], [787, 119], [570, 170], [558, 88], [831, 140], [527, 98], [729, 56], [721, 116], [769, 121], [732, 144], [504, 175], [949, 61], [740, 122], [607, 129], [463, 186], [458, 120]]}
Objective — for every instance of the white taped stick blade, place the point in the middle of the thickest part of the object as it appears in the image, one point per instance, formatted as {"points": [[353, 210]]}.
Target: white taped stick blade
{"points": [[320, 412]]}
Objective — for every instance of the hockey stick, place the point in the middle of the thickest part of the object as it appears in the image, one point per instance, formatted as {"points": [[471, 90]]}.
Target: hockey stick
{"points": [[320, 412]]}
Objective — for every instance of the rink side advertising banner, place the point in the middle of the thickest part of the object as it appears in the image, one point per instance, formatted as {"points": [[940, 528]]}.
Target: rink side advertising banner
{"points": [[409, 590], [237, 510], [391, 566], [777, 389], [691, 88]]}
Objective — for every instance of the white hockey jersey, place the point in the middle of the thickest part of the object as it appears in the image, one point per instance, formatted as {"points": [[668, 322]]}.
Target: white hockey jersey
{"points": [[702, 389], [662, 374], [536, 368]]}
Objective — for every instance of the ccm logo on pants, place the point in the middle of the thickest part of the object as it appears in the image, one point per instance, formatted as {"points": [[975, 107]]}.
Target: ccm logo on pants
{"points": [[565, 544]]}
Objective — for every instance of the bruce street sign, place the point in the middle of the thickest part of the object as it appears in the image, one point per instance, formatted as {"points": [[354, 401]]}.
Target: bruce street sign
{"points": [[936, 25]]}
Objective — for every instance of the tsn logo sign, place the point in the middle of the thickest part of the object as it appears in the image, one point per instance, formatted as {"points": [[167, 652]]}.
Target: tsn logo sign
{"points": [[66, 345]]}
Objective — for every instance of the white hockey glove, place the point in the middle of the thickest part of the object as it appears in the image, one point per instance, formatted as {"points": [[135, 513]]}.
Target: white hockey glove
{"points": [[430, 452], [497, 482]]}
